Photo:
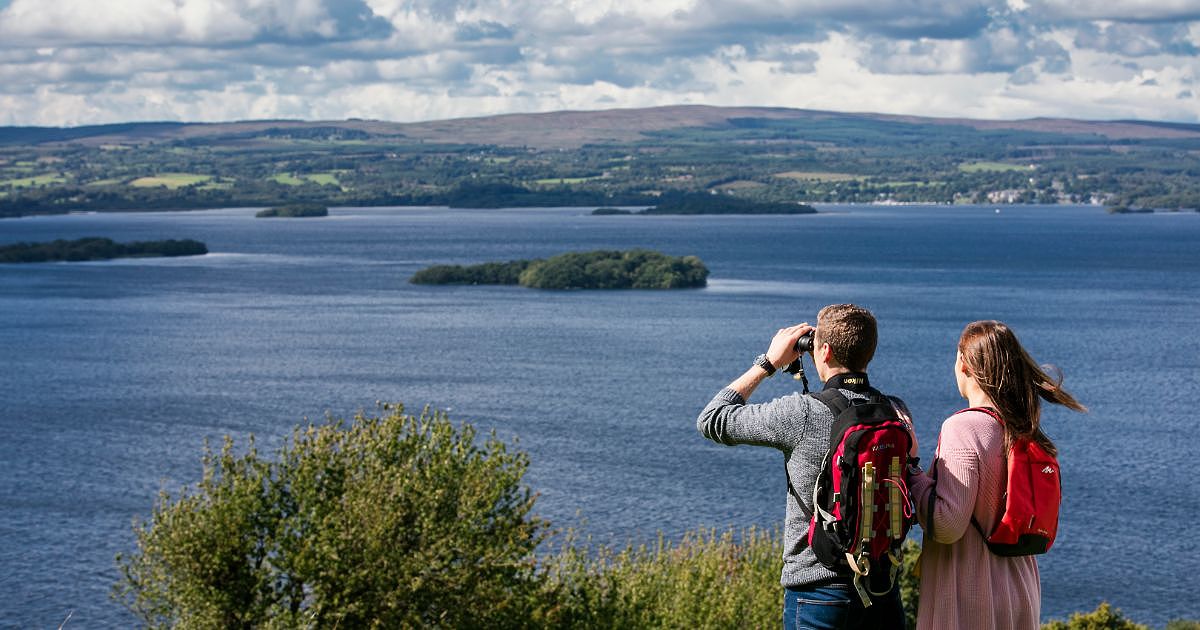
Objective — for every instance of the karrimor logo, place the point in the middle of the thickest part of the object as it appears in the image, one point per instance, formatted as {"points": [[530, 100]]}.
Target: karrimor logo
{"points": [[1049, 470]]}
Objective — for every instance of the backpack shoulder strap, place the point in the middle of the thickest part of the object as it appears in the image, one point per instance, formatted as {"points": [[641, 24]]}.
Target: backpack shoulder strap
{"points": [[834, 399], [988, 410]]}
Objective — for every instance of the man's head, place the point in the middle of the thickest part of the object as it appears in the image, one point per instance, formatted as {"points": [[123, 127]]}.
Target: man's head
{"points": [[846, 337]]}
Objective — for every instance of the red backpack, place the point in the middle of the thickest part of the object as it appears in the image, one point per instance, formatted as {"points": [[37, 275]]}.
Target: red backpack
{"points": [[1033, 492], [861, 506]]}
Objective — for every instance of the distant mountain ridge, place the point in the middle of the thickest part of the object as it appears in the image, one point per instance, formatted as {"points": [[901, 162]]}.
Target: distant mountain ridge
{"points": [[564, 129]]}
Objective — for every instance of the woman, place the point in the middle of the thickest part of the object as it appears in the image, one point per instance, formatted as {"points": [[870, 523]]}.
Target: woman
{"points": [[963, 584]]}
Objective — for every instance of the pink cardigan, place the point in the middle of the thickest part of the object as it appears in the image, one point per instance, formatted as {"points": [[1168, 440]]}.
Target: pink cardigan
{"points": [[963, 584]]}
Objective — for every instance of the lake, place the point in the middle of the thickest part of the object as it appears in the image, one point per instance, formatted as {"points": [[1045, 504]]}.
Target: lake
{"points": [[114, 373]]}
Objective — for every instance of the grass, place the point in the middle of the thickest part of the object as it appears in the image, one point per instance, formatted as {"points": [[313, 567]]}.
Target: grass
{"points": [[551, 181], [912, 183], [740, 184], [37, 180], [170, 181], [820, 177], [321, 179], [287, 179], [992, 167], [216, 185], [105, 182], [707, 580]]}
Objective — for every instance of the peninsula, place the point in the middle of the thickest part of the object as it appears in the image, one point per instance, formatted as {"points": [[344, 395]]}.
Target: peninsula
{"points": [[704, 203], [294, 211], [94, 248], [602, 269]]}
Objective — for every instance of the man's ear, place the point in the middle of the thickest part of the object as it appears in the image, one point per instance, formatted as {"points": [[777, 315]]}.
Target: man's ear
{"points": [[826, 353]]}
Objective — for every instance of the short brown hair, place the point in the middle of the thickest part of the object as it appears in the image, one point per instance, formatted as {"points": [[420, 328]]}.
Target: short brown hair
{"points": [[850, 332]]}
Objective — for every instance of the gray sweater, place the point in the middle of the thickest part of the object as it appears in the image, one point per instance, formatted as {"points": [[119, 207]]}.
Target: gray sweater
{"points": [[798, 426]]}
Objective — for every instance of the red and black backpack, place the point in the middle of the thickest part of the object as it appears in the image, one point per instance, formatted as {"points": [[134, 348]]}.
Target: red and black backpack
{"points": [[861, 506], [1032, 494]]}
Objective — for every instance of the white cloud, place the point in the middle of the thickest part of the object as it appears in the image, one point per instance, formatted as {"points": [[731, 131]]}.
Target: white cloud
{"points": [[75, 61]]}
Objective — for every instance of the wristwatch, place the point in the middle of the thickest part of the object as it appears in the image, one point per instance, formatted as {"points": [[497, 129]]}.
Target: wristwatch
{"points": [[762, 362]]}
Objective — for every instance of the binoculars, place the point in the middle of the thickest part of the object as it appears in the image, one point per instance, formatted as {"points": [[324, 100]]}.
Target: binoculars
{"points": [[803, 344]]}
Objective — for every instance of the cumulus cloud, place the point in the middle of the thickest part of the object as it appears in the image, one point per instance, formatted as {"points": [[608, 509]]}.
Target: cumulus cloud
{"points": [[89, 61]]}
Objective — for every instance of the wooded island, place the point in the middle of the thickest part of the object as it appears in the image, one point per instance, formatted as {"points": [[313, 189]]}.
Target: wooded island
{"points": [[294, 210], [603, 269], [95, 248]]}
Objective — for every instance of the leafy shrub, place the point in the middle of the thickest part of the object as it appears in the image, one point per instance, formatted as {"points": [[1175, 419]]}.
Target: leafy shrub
{"points": [[1105, 617], [394, 521]]}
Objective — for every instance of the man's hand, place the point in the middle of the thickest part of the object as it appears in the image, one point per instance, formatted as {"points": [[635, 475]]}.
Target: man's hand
{"points": [[783, 346]]}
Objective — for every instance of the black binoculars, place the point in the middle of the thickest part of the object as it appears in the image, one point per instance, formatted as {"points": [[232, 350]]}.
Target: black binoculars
{"points": [[803, 344]]}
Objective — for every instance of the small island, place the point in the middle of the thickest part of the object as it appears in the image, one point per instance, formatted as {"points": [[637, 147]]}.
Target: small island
{"points": [[603, 269], [704, 203], [294, 211], [95, 248]]}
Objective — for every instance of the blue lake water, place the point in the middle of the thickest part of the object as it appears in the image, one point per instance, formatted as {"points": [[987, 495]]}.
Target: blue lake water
{"points": [[115, 372]]}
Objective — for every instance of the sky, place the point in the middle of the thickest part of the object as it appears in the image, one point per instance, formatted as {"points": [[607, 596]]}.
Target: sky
{"points": [[75, 62]]}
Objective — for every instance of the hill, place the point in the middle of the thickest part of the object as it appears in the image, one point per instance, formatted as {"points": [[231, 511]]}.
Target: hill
{"points": [[613, 157], [562, 129]]}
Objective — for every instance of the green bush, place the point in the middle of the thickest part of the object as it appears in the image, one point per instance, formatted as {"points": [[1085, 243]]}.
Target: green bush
{"points": [[394, 521], [707, 580], [1105, 617]]}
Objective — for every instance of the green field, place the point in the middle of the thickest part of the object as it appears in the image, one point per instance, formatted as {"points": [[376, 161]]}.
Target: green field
{"points": [[169, 180], [31, 182], [105, 182], [819, 177], [320, 179], [741, 184], [992, 167], [551, 181]]}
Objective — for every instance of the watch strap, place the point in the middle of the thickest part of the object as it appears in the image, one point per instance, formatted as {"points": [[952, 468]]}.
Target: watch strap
{"points": [[762, 362]]}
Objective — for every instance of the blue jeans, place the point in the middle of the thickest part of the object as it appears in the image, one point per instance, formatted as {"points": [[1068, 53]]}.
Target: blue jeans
{"points": [[838, 607]]}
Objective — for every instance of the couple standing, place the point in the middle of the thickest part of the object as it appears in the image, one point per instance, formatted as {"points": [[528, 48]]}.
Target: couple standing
{"points": [[963, 585]]}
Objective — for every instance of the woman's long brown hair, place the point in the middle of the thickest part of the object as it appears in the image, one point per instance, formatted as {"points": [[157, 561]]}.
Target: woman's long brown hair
{"points": [[1012, 379]]}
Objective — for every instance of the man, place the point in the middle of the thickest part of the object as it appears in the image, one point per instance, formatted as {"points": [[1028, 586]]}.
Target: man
{"points": [[799, 426]]}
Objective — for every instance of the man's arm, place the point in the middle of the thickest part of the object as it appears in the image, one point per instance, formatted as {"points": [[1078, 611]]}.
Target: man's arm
{"points": [[729, 420]]}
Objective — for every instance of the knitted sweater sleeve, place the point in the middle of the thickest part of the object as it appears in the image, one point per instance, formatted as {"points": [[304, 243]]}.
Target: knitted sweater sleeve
{"points": [[944, 508], [727, 419]]}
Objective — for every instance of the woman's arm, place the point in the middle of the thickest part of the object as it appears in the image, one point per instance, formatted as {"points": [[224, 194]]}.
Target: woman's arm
{"points": [[944, 509]]}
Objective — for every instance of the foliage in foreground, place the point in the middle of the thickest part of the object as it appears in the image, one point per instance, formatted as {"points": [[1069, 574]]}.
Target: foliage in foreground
{"points": [[603, 269], [706, 580], [398, 521], [405, 521]]}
